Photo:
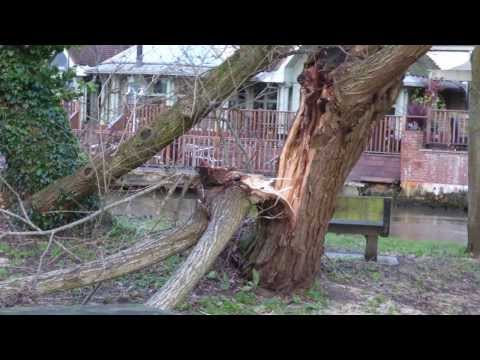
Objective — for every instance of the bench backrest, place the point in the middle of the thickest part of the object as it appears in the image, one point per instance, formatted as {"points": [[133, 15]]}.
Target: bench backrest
{"points": [[369, 212]]}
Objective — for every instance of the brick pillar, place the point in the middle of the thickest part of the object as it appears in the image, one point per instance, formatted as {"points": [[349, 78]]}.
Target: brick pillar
{"points": [[412, 142]]}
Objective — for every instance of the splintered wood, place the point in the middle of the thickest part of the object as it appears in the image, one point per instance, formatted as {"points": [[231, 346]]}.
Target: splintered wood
{"points": [[258, 187]]}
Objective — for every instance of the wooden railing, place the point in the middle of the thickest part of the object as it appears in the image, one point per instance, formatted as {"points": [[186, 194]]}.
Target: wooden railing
{"points": [[386, 136], [143, 115], [257, 124], [73, 110], [248, 140], [71, 107], [447, 129]]}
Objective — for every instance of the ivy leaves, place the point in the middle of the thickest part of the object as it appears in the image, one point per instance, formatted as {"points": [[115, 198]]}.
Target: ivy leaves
{"points": [[35, 132]]}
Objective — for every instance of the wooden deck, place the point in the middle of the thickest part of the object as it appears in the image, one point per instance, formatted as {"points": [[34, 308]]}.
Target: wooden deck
{"points": [[247, 140]]}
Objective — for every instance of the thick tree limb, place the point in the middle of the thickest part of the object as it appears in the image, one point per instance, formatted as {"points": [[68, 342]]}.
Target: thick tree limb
{"points": [[145, 253], [229, 201], [357, 83], [228, 210], [216, 87]]}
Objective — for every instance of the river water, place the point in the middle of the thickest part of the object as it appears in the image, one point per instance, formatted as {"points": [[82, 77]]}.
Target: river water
{"points": [[423, 223]]}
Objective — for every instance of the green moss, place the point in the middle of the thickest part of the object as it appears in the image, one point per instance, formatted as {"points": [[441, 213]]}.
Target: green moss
{"points": [[361, 208]]}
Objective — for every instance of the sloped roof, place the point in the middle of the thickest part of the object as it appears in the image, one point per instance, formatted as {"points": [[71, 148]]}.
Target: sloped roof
{"points": [[422, 67], [464, 67], [447, 60], [149, 69], [92, 55], [188, 60]]}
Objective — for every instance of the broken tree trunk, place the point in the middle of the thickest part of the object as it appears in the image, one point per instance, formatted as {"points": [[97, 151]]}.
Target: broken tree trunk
{"points": [[215, 87], [145, 253], [229, 198], [343, 96], [474, 158], [228, 210]]}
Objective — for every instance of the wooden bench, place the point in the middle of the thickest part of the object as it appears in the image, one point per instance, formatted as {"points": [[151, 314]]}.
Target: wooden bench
{"points": [[365, 215]]}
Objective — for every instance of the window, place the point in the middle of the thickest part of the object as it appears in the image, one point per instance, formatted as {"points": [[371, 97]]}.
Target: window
{"points": [[239, 101], [160, 86], [290, 98], [265, 96], [134, 88]]}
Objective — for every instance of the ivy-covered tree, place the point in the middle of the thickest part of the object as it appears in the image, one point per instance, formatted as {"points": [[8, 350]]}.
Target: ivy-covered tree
{"points": [[36, 139]]}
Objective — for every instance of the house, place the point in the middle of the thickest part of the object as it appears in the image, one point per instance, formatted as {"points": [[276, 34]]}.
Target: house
{"points": [[432, 157], [84, 56], [80, 58], [149, 73], [459, 66], [413, 145]]}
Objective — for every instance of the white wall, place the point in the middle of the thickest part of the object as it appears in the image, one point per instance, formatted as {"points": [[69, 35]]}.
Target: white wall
{"points": [[292, 70], [402, 102], [282, 101]]}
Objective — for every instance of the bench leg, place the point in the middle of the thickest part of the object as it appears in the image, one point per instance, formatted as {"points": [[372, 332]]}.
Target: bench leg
{"points": [[371, 247]]}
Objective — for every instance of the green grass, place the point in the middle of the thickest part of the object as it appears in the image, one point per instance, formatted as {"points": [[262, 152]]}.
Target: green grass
{"points": [[394, 245], [247, 302], [3, 274], [16, 254]]}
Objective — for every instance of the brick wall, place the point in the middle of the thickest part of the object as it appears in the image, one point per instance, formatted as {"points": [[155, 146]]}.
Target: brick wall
{"points": [[431, 170], [376, 168]]}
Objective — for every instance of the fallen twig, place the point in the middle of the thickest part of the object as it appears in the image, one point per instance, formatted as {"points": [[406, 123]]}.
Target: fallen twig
{"points": [[94, 290]]}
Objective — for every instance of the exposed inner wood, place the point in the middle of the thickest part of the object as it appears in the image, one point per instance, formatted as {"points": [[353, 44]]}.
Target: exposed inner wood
{"points": [[343, 97]]}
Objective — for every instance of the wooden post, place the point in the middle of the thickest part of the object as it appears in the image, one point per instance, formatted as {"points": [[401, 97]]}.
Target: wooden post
{"points": [[371, 247]]}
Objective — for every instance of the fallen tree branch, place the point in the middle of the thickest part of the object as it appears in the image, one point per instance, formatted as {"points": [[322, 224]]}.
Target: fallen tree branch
{"points": [[229, 202], [89, 296], [145, 253], [227, 213]]}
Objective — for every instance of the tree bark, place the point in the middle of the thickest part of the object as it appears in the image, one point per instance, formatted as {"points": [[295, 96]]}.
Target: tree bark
{"points": [[474, 158], [228, 210], [229, 198], [341, 101], [145, 253], [214, 89]]}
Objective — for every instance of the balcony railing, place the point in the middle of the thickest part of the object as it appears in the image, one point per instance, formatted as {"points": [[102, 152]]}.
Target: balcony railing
{"points": [[386, 136], [248, 140], [447, 129], [252, 140]]}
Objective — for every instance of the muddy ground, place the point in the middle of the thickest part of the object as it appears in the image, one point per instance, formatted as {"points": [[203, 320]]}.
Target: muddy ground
{"points": [[415, 286]]}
